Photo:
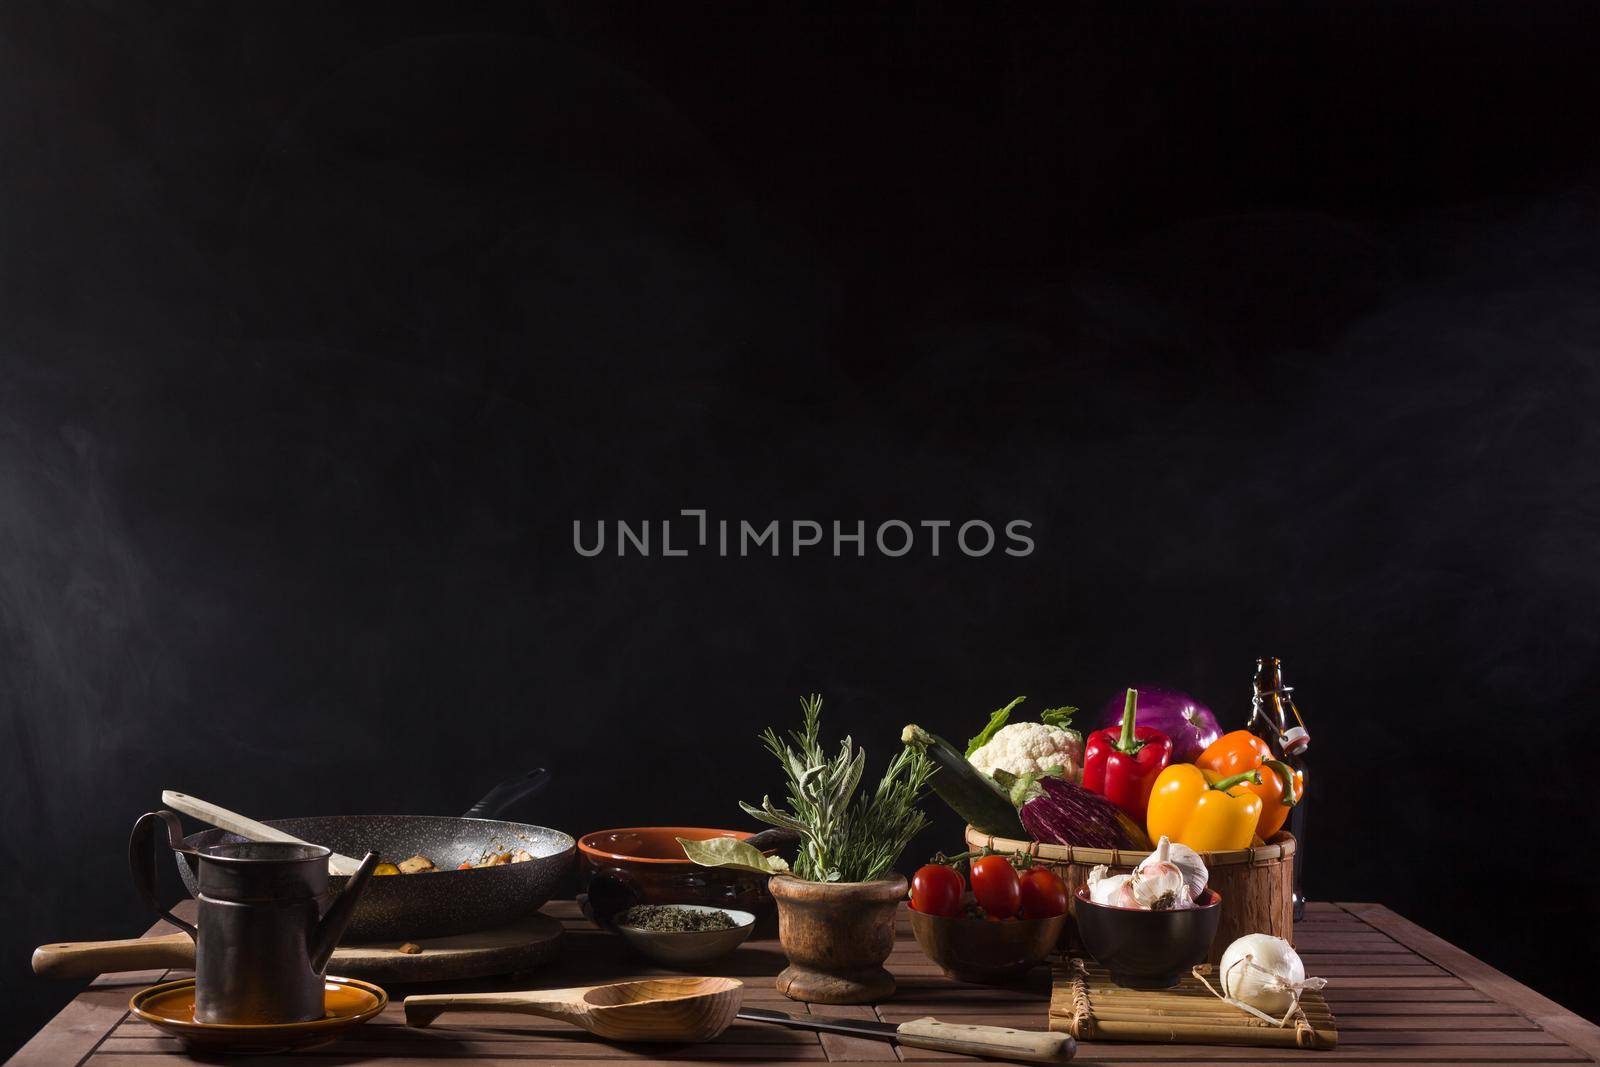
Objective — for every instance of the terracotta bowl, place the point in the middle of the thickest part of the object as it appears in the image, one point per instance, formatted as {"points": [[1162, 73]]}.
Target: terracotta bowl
{"points": [[1148, 949], [645, 865], [984, 952]]}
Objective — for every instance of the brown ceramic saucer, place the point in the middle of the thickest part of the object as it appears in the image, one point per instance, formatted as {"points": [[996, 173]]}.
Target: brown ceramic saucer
{"points": [[169, 1007]]}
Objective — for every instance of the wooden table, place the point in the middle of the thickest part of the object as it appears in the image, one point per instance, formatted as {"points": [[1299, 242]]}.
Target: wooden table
{"points": [[1401, 994]]}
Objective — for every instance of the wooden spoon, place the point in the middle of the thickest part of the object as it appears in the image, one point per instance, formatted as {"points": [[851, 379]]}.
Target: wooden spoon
{"points": [[656, 1009], [248, 828]]}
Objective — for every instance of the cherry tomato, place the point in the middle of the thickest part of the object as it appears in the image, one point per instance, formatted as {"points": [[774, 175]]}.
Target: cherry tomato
{"points": [[1044, 895], [936, 890], [994, 884]]}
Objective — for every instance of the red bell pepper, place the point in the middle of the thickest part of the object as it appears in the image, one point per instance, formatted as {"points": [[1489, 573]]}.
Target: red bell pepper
{"points": [[1121, 764]]}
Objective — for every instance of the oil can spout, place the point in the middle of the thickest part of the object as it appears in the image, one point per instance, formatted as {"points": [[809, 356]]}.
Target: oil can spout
{"points": [[326, 934]]}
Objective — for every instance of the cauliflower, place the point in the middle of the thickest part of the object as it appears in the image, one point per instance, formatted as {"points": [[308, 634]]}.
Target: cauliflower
{"points": [[1031, 748]]}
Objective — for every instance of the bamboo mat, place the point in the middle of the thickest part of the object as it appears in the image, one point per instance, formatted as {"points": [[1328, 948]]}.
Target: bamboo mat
{"points": [[1087, 1004]]}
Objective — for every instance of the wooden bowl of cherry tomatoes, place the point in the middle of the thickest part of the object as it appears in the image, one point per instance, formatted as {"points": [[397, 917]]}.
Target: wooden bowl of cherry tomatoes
{"points": [[1006, 925]]}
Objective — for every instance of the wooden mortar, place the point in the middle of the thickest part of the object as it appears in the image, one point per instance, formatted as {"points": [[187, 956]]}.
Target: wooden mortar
{"points": [[837, 936]]}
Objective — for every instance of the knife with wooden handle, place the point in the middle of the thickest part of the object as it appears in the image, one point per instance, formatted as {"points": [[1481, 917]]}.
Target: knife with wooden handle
{"points": [[248, 828], [990, 1042]]}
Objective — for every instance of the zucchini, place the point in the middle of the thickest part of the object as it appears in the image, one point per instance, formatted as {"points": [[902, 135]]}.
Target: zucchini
{"points": [[970, 793]]}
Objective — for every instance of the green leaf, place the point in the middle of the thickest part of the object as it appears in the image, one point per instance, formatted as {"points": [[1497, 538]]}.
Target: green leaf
{"points": [[731, 852], [996, 721], [1021, 788], [1057, 716]]}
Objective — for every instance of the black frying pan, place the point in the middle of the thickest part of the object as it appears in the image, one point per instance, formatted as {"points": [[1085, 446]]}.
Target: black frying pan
{"points": [[402, 907]]}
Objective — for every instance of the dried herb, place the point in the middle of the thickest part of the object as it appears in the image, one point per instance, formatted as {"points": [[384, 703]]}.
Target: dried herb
{"points": [[664, 919]]}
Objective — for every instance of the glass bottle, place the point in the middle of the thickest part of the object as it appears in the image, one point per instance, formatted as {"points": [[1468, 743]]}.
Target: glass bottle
{"points": [[1275, 719]]}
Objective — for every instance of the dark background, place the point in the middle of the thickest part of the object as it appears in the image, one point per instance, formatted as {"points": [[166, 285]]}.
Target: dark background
{"points": [[322, 325]]}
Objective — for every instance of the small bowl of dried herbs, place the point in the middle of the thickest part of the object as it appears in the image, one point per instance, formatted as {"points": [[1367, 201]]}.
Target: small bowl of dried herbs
{"points": [[683, 933]]}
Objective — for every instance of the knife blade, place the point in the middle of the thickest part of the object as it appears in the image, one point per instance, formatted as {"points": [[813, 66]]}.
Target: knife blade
{"points": [[823, 1024]]}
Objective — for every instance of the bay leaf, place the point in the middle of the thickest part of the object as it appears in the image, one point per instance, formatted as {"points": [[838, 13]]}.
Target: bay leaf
{"points": [[732, 852]]}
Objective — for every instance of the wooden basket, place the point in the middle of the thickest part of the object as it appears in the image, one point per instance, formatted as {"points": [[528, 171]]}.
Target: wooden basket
{"points": [[1256, 884]]}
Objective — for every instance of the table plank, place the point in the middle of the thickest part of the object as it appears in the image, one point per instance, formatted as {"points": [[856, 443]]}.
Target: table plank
{"points": [[1578, 1032], [75, 1032], [844, 1049]]}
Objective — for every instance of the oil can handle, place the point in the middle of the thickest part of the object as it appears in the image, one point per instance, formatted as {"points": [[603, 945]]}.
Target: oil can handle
{"points": [[142, 860]]}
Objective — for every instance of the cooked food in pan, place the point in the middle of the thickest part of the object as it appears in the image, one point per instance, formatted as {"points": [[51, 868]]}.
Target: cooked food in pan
{"points": [[420, 864]]}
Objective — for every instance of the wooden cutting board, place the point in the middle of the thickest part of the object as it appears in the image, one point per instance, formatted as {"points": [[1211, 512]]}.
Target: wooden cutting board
{"points": [[521, 946]]}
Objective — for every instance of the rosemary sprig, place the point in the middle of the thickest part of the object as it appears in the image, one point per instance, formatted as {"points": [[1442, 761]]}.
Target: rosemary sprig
{"points": [[844, 837]]}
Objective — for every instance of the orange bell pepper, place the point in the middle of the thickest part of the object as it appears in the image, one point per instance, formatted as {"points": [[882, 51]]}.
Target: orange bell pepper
{"points": [[1202, 809], [1242, 751]]}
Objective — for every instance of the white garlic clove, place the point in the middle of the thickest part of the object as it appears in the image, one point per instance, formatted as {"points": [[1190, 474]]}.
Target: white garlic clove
{"points": [[1109, 889]]}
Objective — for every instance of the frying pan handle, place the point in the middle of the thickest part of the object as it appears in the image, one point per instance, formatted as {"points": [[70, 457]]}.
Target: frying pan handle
{"points": [[142, 860], [507, 793]]}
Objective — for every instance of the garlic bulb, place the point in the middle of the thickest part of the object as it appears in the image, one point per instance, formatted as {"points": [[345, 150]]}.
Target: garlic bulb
{"points": [[1158, 883], [1191, 868], [1111, 890], [1264, 973]]}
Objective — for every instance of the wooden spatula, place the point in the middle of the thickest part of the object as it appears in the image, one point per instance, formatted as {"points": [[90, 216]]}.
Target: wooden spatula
{"points": [[247, 828], [656, 1009]]}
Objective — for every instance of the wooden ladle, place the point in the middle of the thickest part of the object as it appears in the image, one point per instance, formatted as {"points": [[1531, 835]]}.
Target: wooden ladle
{"points": [[655, 1009]]}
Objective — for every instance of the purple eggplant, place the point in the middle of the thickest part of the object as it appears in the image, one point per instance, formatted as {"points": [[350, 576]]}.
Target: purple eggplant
{"points": [[1067, 814]]}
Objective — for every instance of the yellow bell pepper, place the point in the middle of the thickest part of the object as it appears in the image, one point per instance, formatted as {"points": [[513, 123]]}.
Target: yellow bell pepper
{"points": [[1202, 809]]}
